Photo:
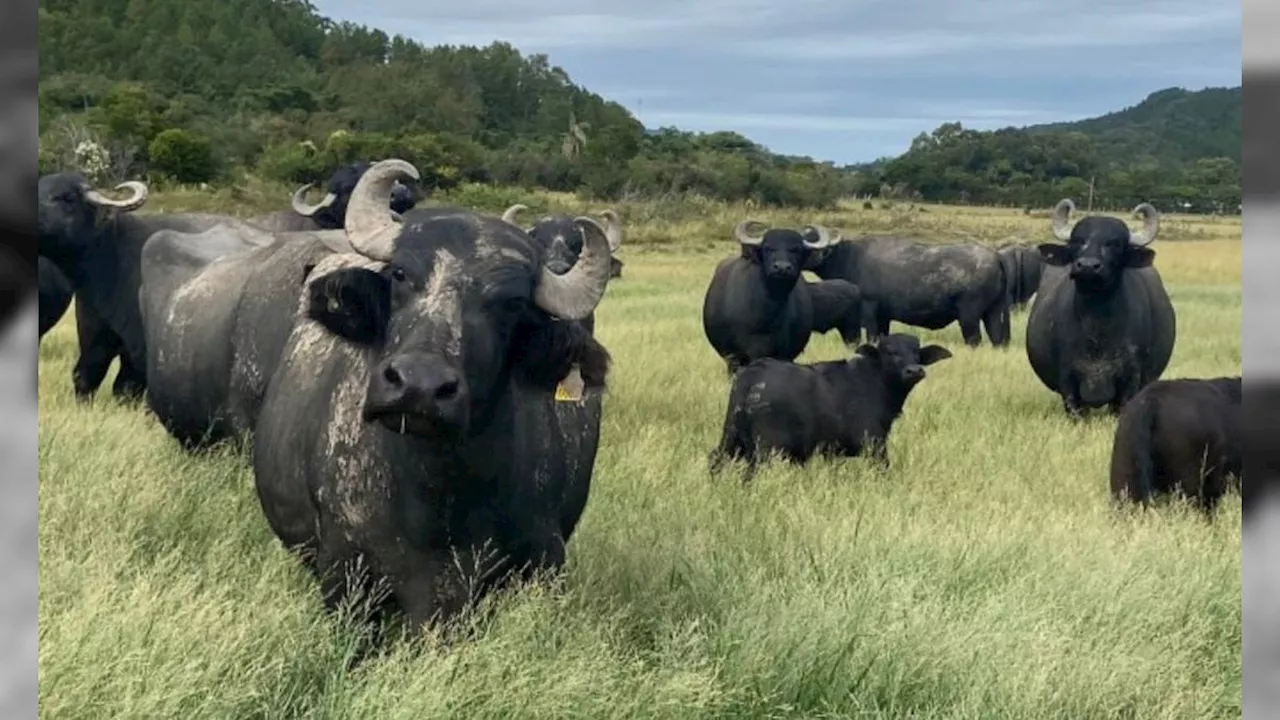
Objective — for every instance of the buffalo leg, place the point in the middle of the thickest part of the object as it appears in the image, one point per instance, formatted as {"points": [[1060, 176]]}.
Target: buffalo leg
{"points": [[1071, 397], [1128, 387], [130, 381], [970, 320], [871, 319], [850, 328], [92, 366], [997, 323]]}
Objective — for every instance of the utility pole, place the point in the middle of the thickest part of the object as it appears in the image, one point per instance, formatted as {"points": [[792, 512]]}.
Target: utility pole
{"points": [[1091, 179]]}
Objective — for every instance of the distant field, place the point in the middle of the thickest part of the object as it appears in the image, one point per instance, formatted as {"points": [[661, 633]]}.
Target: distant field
{"points": [[984, 576]]}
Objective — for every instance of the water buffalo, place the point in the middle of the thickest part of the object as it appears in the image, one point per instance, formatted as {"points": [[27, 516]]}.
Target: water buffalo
{"points": [[840, 408], [55, 294], [922, 284], [1102, 326], [96, 242], [328, 214], [563, 240], [758, 305], [408, 441], [1022, 268], [218, 306], [1179, 436]]}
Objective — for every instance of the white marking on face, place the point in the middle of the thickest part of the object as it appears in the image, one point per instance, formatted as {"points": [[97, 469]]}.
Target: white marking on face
{"points": [[442, 300]]}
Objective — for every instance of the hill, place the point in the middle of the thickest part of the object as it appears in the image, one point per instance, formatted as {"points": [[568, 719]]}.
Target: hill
{"points": [[202, 92], [1177, 148], [1173, 127]]}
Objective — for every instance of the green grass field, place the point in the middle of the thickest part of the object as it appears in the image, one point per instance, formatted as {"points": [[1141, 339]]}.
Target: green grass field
{"points": [[984, 576]]}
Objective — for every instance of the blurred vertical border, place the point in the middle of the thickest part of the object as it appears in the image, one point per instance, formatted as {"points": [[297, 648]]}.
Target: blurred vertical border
{"points": [[1260, 561], [19, 71]]}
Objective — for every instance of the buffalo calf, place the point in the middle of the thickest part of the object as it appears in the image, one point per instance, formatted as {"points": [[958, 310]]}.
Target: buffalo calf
{"points": [[1178, 437], [836, 408]]}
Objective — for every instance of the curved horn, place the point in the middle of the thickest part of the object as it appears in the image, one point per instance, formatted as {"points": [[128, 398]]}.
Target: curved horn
{"points": [[300, 205], [133, 202], [1150, 225], [371, 225], [510, 215], [1061, 219], [612, 229], [826, 237], [574, 295], [746, 238]]}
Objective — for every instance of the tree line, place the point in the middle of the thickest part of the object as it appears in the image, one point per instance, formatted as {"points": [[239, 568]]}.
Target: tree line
{"points": [[202, 92]]}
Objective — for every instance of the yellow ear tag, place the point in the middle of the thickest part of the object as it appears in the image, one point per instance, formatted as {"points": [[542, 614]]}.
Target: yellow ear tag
{"points": [[570, 388]]}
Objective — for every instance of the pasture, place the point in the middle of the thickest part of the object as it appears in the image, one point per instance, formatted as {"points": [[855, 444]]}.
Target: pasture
{"points": [[985, 575]]}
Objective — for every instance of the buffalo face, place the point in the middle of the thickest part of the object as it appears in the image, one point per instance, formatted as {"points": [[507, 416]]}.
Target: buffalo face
{"points": [[71, 210], [1098, 249], [561, 238], [449, 307], [901, 359], [331, 212], [781, 253]]}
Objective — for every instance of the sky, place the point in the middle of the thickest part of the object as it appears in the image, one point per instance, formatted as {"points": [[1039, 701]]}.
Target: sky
{"points": [[849, 80]]}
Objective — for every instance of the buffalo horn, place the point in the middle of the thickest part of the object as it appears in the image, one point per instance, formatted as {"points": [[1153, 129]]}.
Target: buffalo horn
{"points": [[1150, 225], [574, 295], [133, 202], [612, 229], [746, 238], [510, 215], [1061, 219], [371, 226], [301, 207]]}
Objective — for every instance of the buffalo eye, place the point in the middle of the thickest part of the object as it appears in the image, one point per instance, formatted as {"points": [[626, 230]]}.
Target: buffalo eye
{"points": [[397, 274]]}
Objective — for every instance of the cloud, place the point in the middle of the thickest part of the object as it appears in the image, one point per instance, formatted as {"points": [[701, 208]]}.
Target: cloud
{"points": [[871, 29], [846, 80], [976, 118]]}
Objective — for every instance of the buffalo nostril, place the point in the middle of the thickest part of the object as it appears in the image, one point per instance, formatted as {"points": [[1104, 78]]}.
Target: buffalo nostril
{"points": [[447, 391], [391, 375]]}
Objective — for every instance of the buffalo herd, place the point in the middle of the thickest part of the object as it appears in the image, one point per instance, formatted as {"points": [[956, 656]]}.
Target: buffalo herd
{"points": [[423, 386]]}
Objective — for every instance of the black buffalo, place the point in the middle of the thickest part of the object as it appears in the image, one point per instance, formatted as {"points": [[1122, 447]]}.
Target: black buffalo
{"points": [[758, 305], [922, 284], [1102, 326], [55, 294], [408, 438], [563, 240], [839, 408], [1179, 437], [96, 243], [218, 307], [1022, 267], [330, 212]]}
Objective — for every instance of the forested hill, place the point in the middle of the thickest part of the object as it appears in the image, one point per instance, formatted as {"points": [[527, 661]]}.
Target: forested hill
{"points": [[200, 92], [1171, 126]]}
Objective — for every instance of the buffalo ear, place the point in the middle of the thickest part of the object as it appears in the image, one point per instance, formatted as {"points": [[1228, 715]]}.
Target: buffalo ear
{"points": [[930, 354], [1136, 257], [352, 303], [870, 352], [1054, 254]]}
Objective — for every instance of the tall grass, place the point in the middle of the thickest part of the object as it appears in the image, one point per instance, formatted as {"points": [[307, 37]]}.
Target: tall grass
{"points": [[983, 576]]}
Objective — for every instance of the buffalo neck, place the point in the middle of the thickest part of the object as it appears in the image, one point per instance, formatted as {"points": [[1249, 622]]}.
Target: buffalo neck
{"points": [[1102, 308], [838, 263], [865, 384]]}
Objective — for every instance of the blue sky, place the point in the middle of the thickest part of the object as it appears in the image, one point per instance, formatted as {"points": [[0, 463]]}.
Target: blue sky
{"points": [[846, 81]]}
